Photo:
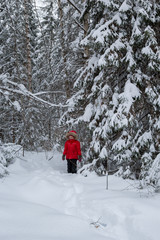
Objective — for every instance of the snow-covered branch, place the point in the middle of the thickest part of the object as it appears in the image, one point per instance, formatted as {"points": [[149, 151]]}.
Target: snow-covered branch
{"points": [[49, 92], [23, 91]]}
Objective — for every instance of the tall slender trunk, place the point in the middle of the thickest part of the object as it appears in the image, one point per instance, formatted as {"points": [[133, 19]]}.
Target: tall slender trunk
{"points": [[28, 48], [13, 129], [86, 26], [64, 53]]}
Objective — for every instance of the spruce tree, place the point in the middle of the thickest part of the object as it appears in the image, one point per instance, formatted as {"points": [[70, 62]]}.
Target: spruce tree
{"points": [[119, 86]]}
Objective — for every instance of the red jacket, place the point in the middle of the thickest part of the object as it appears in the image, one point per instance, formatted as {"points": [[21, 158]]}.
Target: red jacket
{"points": [[72, 149]]}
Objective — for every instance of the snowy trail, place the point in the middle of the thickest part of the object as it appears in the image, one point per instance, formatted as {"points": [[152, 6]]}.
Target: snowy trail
{"points": [[39, 200]]}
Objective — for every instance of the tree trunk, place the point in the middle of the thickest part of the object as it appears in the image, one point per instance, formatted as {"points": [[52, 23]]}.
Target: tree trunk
{"points": [[86, 26], [28, 48], [64, 52]]}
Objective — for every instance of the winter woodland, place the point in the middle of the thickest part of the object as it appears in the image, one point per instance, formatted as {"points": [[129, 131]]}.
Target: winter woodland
{"points": [[88, 65]]}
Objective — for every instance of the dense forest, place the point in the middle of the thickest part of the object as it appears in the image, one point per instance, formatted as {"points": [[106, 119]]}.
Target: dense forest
{"points": [[88, 65]]}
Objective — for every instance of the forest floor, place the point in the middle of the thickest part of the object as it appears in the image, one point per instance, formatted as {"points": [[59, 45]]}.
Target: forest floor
{"points": [[40, 201]]}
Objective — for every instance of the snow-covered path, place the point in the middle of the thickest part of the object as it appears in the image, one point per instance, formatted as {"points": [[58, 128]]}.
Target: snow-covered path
{"points": [[40, 201]]}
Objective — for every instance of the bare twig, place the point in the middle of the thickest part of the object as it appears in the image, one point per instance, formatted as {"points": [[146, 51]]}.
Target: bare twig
{"points": [[74, 5]]}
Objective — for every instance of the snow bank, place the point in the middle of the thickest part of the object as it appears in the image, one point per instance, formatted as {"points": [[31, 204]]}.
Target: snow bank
{"points": [[40, 201], [8, 153]]}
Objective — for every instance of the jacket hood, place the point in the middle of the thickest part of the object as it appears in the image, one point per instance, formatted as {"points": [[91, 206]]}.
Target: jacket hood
{"points": [[72, 133]]}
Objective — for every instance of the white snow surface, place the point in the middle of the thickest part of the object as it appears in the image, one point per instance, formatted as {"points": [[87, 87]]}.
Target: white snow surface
{"points": [[39, 200]]}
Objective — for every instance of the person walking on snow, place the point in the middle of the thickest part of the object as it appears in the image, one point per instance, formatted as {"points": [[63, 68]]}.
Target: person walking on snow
{"points": [[72, 151]]}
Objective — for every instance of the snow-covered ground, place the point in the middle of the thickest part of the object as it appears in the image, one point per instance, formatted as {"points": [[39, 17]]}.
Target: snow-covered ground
{"points": [[40, 201]]}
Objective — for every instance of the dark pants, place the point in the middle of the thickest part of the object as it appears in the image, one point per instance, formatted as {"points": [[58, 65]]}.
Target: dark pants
{"points": [[72, 165]]}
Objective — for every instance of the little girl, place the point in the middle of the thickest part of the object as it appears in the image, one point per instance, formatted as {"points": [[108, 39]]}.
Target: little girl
{"points": [[72, 151]]}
